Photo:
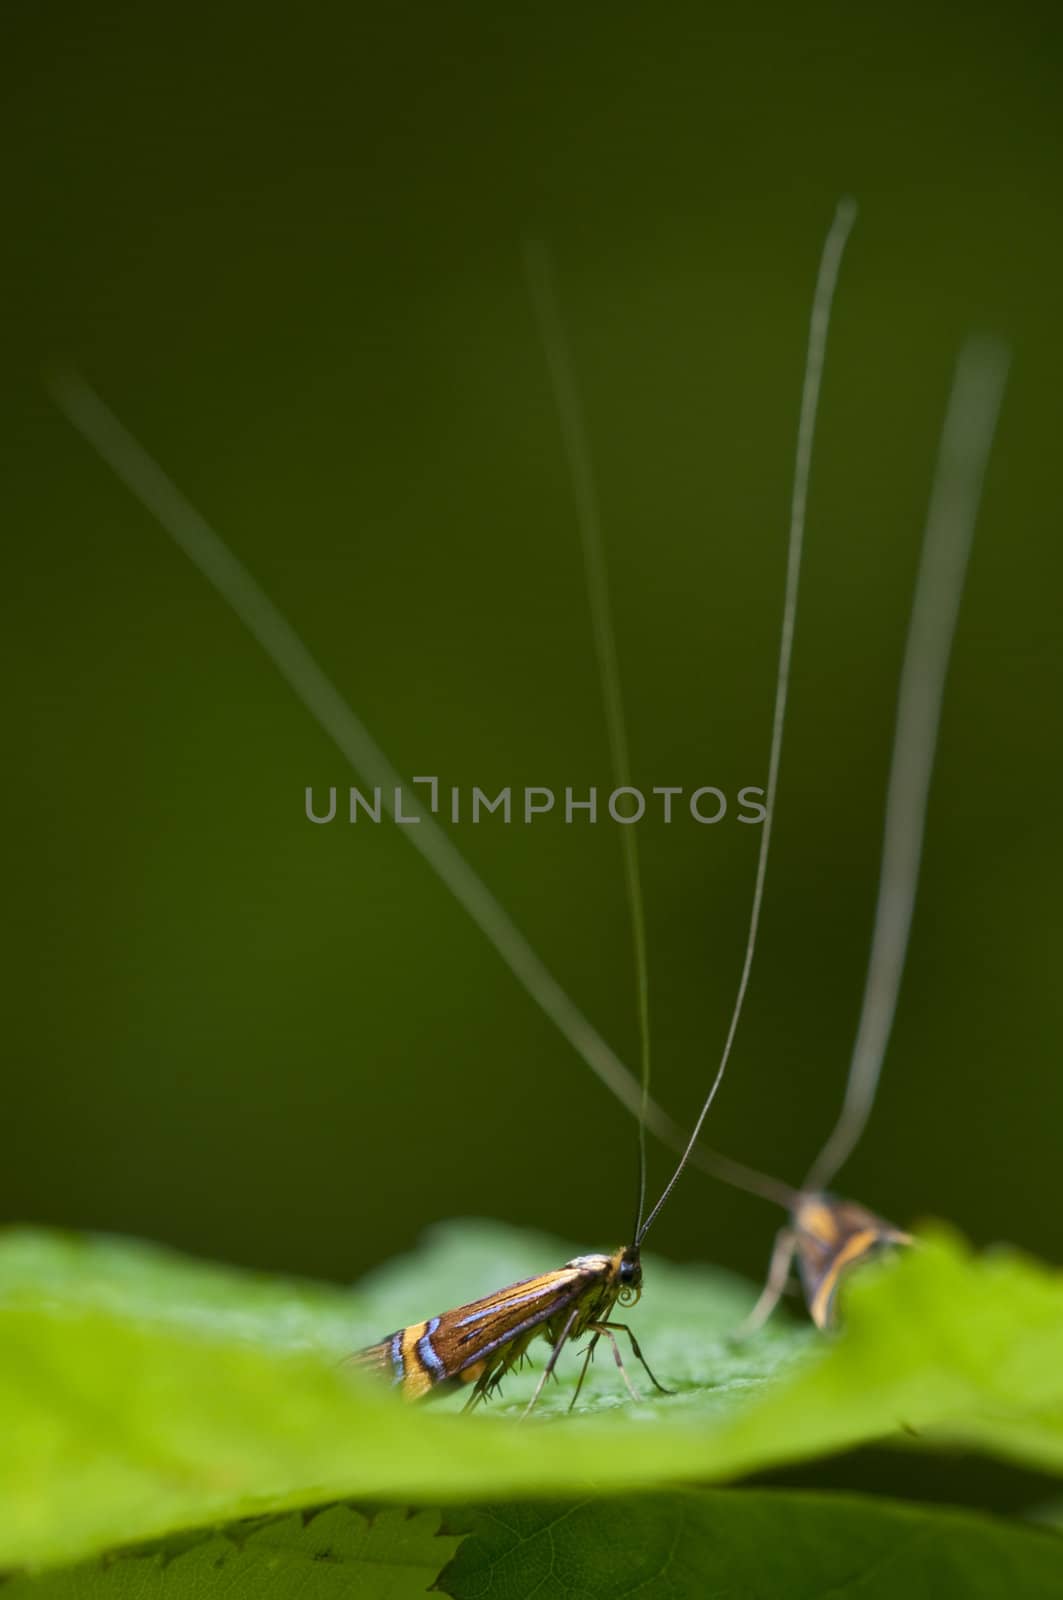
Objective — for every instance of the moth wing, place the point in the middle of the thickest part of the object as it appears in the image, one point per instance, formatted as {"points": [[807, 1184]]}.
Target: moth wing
{"points": [[475, 1331]]}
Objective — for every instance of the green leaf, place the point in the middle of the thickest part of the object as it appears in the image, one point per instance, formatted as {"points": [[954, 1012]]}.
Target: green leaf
{"points": [[142, 1394], [739, 1542], [749, 1544], [337, 1555]]}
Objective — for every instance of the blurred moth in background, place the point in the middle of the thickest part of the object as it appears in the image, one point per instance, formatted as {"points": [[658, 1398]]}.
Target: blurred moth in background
{"points": [[830, 1236]]}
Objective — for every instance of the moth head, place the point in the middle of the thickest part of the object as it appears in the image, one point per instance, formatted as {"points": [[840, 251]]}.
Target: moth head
{"points": [[629, 1275]]}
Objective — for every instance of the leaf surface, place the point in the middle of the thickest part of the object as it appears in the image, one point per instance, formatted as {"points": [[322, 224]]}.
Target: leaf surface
{"points": [[339, 1554], [753, 1544]]}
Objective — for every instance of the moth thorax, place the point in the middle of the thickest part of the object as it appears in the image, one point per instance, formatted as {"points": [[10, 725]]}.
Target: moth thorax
{"points": [[590, 1264]]}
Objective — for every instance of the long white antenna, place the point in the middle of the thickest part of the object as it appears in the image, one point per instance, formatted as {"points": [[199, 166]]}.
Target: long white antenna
{"points": [[147, 481], [589, 518], [822, 302], [966, 440]]}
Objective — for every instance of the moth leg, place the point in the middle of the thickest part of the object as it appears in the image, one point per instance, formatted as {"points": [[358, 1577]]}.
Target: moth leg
{"points": [[494, 1370], [603, 1328], [782, 1256], [583, 1370], [479, 1390], [622, 1327], [552, 1363]]}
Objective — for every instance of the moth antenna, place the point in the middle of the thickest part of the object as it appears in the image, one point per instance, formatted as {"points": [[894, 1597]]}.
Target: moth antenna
{"points": [[227, 574], [573, 425], [816, 349], [132, 464], [963, 456]]}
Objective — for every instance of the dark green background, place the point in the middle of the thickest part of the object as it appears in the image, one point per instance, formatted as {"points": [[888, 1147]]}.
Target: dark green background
{"points": [[285, 246]]}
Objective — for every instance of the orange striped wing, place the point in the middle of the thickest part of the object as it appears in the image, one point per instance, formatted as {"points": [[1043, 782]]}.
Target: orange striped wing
{"points": [[831, 1238], [478, 1342]]}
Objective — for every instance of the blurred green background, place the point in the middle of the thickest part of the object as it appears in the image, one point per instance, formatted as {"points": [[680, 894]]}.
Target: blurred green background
{"points": [[285, 246]]}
